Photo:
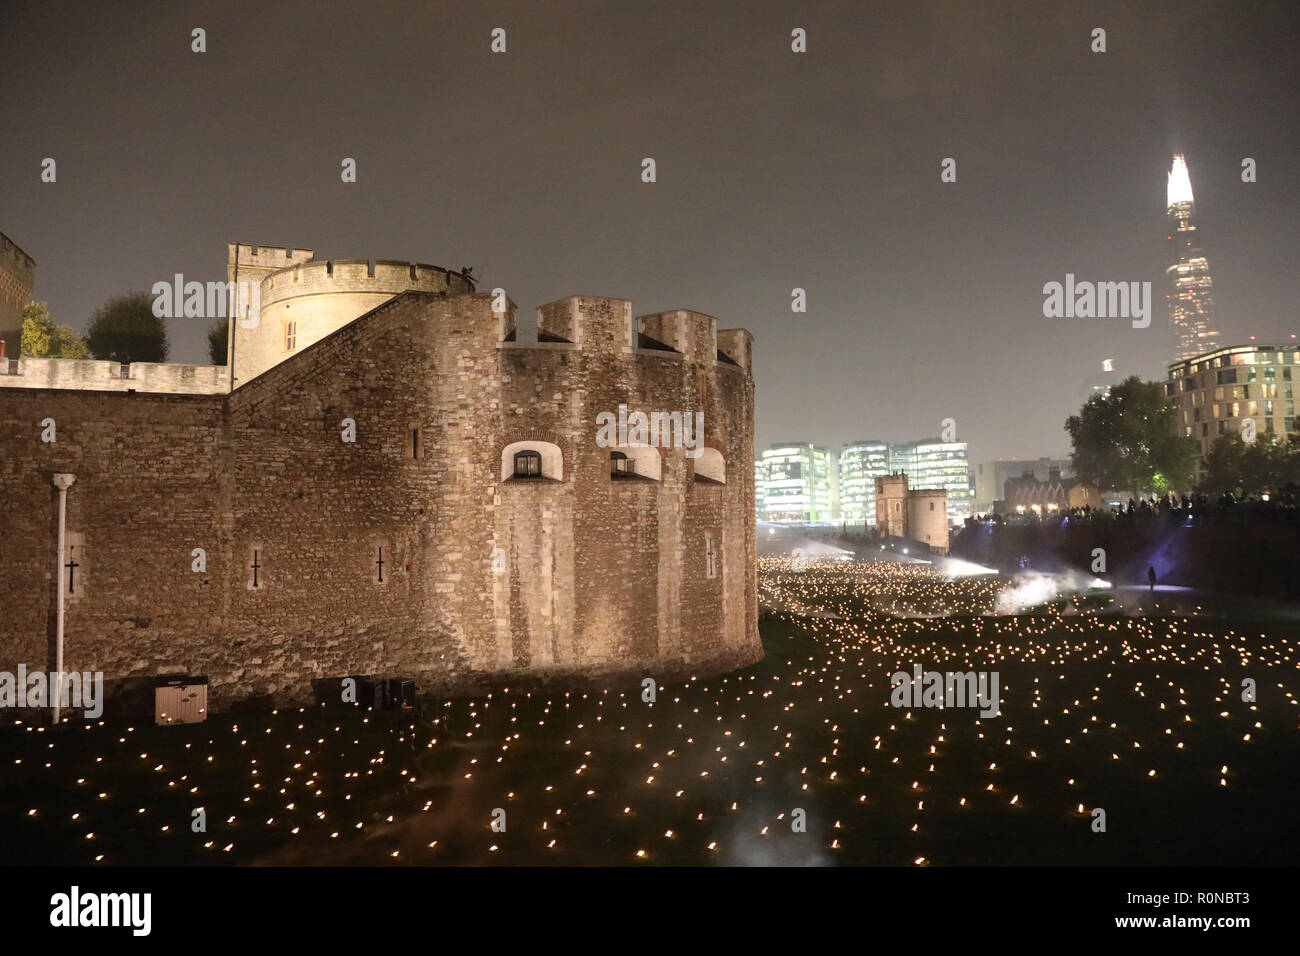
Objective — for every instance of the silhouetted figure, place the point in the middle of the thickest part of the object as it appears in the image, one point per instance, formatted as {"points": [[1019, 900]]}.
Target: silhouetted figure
{"points": [[1151, 576]]}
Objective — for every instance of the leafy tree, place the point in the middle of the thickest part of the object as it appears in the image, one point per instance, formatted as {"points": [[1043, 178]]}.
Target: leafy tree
{"points": [[1223, 465], [125, 329], [43, 339], [217, 336], [1241, 468], [1129, 439]]}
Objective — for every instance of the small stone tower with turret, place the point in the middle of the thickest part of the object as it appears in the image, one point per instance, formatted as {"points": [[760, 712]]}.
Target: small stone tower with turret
{"points": [[17, 275]]}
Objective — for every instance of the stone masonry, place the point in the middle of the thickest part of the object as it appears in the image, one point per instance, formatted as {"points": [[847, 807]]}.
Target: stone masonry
{"points": [[484, 574], [17, 276]]}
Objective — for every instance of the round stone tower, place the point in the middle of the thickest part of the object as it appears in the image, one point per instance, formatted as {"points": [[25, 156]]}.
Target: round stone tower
{"points": [[288, 299]]}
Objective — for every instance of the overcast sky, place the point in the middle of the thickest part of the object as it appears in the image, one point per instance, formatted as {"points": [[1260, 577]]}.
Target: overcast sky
{"points": [[775, 170]]}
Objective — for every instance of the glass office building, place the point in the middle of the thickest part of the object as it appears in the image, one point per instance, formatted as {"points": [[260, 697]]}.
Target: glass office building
{"points": [[796, 484], [934, 463], [860, 464]]}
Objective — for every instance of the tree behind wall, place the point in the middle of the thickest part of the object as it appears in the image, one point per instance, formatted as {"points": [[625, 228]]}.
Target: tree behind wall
{"points": [[125, 329], [1257, 467], [1129, 439], [217, 336], [43, 339]]}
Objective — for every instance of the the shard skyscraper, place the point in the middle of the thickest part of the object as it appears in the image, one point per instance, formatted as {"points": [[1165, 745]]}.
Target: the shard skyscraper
{"points": [[1191, 293]]}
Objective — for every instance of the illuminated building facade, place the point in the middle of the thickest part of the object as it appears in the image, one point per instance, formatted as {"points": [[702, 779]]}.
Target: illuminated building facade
{"points": [[1191, 294], [991, 477], [796, 484], [934, 463], [1102, 382], [860, 464], [1218, 392]]}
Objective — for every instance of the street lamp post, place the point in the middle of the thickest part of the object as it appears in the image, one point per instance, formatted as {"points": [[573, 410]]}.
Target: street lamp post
{"points": [[63, 482]]}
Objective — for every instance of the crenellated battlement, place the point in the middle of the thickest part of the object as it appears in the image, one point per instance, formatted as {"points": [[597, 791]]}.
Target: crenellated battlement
{"points": [[266, 257], [102, 376], [17, 279], [251, 263], [738, 346], [586, 320], [388, 276], [693, 334], [605, 323], [19, 263]]}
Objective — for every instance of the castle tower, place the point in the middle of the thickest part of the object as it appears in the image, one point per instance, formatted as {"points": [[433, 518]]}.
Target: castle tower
{"points": [[891, 505], [246, 266], [1191, 295], [287, 299], [927, 517], [17, 276]]}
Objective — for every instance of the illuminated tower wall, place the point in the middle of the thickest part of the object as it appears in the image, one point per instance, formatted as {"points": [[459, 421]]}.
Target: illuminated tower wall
{"points": [[1191, 293]]}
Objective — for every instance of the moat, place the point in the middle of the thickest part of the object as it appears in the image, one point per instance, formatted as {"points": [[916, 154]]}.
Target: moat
{"points": [[1125, 708]]}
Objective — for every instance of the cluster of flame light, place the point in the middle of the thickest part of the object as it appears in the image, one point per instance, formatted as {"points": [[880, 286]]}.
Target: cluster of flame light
{"points": [[716, 757]]}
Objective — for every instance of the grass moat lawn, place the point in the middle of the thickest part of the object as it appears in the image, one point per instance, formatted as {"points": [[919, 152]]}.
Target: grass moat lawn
{"points": [[1140, 716]]}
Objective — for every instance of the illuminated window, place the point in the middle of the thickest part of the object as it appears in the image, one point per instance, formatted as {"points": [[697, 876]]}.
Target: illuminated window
{"points": [[528, 464]]}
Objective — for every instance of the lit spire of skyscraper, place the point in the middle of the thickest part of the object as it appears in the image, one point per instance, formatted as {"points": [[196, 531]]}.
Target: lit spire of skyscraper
{"points": [[1180, 184], [1191, 296]]}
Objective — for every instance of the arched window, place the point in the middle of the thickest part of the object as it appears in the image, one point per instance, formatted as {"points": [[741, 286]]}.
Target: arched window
{"points": [[621, 466], [532, 460], [528, 464], [710, 467], [639, 461]]}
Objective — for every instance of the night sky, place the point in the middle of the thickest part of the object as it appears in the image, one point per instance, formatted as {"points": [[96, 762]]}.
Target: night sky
{"points": [[775, 170]]}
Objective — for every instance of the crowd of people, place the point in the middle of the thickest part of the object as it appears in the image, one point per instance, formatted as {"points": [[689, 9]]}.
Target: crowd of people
{"points": [[1199, 509]]}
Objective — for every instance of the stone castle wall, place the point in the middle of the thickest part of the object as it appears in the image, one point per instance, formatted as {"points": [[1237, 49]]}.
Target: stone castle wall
{"points": [[590, 573], [17, 278], [316, 296], [95, 375], [927, 517]]}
